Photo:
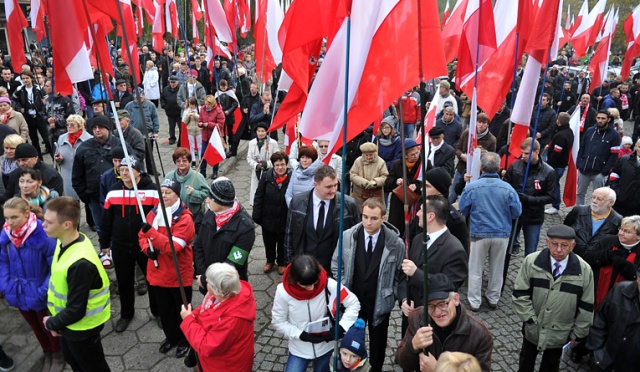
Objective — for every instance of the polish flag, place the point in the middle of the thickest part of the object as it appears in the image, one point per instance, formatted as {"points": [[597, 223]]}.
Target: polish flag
{"points": [[245, 17], [453, 29], [99, 50], [540, 42], [472, 139], [139, 17], [583, 14], [196, 15], [430, 117], [37, 18], [171, 15], [445, 14], [67, 29], [231, 14], [215, 14], [586, 34], [16, 22], [158, 29], [374, 79], [632, 33], [214, 153], [600, 60], [571, 181], [477, 43], [269, 17], [567, 22], [217, 50]]}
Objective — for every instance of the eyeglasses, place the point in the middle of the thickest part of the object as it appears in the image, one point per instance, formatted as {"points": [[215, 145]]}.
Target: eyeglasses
{"points": [[625, 231], [558, 244], [182, 161], [442, 306], [71, 125]]}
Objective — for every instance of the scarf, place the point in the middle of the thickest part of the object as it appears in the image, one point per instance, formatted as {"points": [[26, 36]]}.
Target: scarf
{"points": [[9, 165], [625, 101], [4, 118], [482, 134], [223, 217], [299, 293], [41, 198], [280, 179], [73, 137], [410, 165], [605, 277], [18, 236], [260, 143], [159, 219]]}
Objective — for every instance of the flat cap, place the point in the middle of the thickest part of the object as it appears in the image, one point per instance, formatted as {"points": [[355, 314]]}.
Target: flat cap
{"points": [[561, 232], [435, 132]]}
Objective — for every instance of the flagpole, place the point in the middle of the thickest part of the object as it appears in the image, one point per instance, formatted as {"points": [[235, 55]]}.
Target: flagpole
{"points": [[513, 98], [212, 42], [264, 40], [336, 336], [153, 163]]}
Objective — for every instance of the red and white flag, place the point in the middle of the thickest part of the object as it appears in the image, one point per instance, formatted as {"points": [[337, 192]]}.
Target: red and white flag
{"points": [[546, 25], [217, 17], [244, 12], [158, 28], [567, 22], [231, 14], [68, 28], [16, 22], [37, 19], [171, 18], [269, 17], [588, 30], [632, 33], [214, 153], [374, 79], [430, 117], [445, 14], [452, 30], [196, 15], [582, 14], [472, 140], [571, 181], [600, 60], [99, 50]]}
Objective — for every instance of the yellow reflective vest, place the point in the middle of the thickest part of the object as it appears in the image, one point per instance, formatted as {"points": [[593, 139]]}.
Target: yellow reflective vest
{"points": [[99, 304]]}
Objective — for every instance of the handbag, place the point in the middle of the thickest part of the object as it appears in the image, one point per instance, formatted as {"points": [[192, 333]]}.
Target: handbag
{"points": [[412, 197], [370, 193]]}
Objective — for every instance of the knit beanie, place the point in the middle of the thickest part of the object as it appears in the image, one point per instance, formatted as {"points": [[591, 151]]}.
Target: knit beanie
{"points": [[222, 192], [353, 340], [134, 163], [117, 152], [171, 184], [102, 121], [439, 179], [25, 150]]}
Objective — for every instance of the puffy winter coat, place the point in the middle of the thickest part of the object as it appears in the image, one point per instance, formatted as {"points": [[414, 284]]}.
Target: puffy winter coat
{"points": [[301, 180], [92, 159], [389, 149], [25, 271]]}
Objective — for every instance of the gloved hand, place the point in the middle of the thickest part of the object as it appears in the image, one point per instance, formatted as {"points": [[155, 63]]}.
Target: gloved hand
{"points": [[524, 198], [145, 227], [153, 254], [373, 184], [628, 271], [314, 339], [616, 255], [329, 336]]}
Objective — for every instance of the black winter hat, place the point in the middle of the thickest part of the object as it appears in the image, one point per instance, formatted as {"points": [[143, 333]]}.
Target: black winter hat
{"points": [[102, 121], [25, 150], [222, 192], [133, 162], [174, 185], [117, 152], [439, 179]]}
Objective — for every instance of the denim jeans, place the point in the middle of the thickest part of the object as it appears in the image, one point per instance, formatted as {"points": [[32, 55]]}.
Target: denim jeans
{"points": [[408, 130], [452, 194], [297, 364], [556, 203], [584, 180], [96, 212], [531, 237], [203, 166]]}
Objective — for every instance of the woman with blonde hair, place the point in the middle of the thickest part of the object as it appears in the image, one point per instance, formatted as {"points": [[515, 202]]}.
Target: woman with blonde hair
{"points": [[455, 361], [66, 148], [150, 81], [8, 160], [617, 121]]}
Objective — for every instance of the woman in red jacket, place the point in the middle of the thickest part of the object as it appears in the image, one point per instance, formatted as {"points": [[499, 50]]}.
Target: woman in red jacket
{"points": [[163, 280], [220, 330], [211, 116]]}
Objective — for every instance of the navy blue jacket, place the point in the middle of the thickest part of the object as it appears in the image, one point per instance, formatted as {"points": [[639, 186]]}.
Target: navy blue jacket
{"points": [[598, 150]]}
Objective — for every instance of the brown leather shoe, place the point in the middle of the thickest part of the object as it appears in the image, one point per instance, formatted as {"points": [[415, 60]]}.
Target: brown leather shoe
{"points": [[281, 269], [267, 267]]}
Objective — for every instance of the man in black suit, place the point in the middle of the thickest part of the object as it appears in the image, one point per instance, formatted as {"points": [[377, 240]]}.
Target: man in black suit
{"points": [[122, 96], [441, 154], [445, 255], [371, 255]]}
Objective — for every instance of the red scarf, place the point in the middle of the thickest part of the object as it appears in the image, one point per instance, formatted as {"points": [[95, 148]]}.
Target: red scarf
{"points": [[281, 179], [4, 118], [604, 279], [299, 293], [73, 137], [223, 217], [18, 236]]}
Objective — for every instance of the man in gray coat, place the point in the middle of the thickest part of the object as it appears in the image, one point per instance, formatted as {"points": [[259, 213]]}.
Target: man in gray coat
{"points": [[372, 254], [132, 136]]}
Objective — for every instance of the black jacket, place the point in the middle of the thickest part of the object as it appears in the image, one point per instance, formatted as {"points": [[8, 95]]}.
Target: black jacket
{"points": [[444, 157], [91, 160], [20, 97], [589, 120], [169, 101], [560, 147], [614, 336], [269, 205], [539, 190], [396, 206], [625, 181], [598, 150], [126, 98], [213, 245], [50, 178], [229, 105], [60, 108], [546, 123], [580, 220], [601, 255], [121, 217], [456, 223]]}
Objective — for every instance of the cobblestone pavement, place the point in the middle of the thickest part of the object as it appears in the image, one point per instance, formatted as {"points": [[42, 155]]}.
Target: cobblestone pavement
{"points": [[137, 348]]}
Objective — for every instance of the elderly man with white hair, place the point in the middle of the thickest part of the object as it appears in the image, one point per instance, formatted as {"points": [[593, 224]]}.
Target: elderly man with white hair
{"points": [[595, 221]]}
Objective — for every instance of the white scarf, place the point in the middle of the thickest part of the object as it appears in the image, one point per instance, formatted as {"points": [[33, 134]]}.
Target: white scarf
{"points": [[158, 221], [433, 151]]}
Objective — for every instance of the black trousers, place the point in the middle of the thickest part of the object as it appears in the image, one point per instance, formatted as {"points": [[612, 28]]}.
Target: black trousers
{"points": [[274, 246], [173, 122], [38, 125], [125, 260], [169, 303], [148, 150], [377, 339], [85, 355], [231, 141], [550, 358]]}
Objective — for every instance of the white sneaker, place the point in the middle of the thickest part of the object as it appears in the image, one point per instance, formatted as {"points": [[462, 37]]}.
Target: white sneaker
{"points": [[551, 210]]}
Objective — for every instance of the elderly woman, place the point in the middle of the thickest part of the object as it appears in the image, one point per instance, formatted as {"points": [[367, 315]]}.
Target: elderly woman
{"points": [[270, 210], [302, 176], [32, 189], [211, 116], [388, 141], [8, 160], [258, 156], [163, 280], [615, 258], [301, 299], [66, 148], [151, 86], [220, 330], [368, 174], [193, 186], [12, 118]]}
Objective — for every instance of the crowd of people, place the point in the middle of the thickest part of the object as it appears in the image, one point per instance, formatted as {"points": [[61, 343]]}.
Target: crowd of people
{"points": [[164, 237]]}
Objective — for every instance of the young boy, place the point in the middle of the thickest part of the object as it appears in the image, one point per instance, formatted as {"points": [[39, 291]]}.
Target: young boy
{"points": [[353, 352]]}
